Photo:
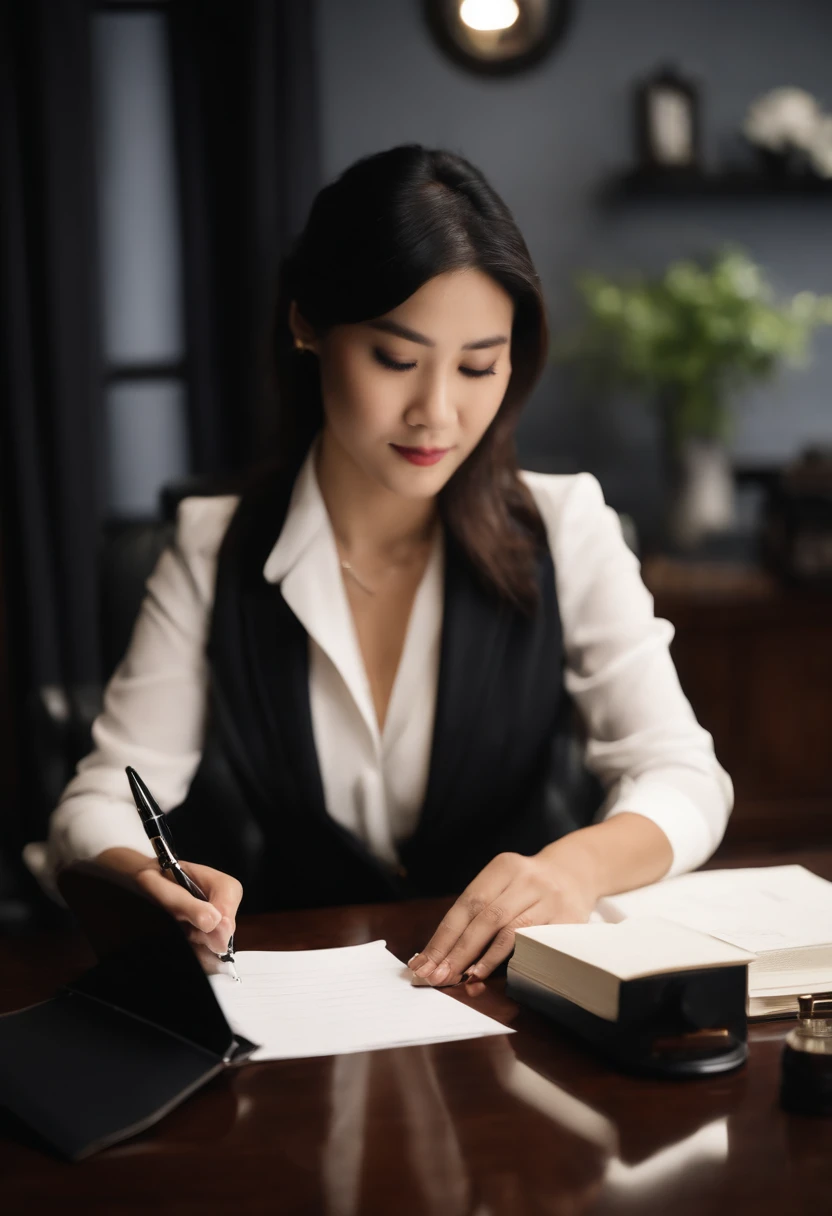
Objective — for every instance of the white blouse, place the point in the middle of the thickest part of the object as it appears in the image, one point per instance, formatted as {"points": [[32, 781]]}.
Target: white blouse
{"points": [[643, 741]]}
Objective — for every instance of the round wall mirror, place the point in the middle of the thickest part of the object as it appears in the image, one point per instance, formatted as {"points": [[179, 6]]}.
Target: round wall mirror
{"points": [[497, 37]]}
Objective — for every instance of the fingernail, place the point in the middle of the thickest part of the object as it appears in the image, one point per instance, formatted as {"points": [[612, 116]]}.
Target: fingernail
{"points": [[410, 960], [441, 973], [471, 974], [425, 968]]}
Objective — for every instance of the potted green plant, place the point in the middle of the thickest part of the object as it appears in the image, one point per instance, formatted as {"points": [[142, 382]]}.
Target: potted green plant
{"points": [[691, 339]]}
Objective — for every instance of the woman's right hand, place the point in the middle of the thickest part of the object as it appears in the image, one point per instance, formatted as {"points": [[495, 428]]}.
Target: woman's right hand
{"points": [[210, 924]]}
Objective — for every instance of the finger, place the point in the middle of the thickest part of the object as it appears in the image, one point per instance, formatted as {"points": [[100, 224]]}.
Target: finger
{"points": [[203, 944], [179, 902], [486, 887], [511, 906], [503, 943], [224, 893], [220, 937]]}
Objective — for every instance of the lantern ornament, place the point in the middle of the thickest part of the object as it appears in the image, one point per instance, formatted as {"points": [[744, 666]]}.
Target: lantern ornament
{"points": [[668, 122]]}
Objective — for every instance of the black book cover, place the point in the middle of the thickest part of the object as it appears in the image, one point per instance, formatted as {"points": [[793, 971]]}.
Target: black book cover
{"points": [[674, 1024], [113, 1051]]}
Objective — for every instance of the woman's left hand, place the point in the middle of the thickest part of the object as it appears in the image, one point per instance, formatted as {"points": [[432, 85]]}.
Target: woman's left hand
{"points": [[512, 892]]}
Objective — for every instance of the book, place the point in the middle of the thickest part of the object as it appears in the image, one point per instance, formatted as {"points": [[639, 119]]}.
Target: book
{"points": [[651, 996], [591, 964], [781, 914]]}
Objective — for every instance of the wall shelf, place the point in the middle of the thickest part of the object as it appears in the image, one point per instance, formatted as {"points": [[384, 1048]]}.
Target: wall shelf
{"points": [[640, 185]]}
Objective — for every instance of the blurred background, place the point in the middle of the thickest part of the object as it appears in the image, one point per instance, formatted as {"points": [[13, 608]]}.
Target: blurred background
{"points": [[670, 165]]}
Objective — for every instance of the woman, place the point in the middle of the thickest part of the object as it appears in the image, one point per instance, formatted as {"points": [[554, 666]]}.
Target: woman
{"points": [[353, 681]]}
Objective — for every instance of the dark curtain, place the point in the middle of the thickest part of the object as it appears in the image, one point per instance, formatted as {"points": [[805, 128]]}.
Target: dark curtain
{"points": [[50, 376], [247, 130], [247, 142]]}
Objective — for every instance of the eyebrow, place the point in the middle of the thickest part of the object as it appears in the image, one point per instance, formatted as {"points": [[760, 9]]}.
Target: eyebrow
{"points": [[402, 331]]}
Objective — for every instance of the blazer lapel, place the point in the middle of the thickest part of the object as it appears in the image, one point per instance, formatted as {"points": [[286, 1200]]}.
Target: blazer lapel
{"points": [[259, 655], [475, 628], [278, 647], [275, 662]]}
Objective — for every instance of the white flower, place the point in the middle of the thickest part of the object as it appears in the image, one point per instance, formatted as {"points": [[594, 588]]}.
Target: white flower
{"points": [[820, 149], [782, 118]]}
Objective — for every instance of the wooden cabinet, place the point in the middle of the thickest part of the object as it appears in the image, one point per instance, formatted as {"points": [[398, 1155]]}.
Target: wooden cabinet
{"points": [[755, 660]]}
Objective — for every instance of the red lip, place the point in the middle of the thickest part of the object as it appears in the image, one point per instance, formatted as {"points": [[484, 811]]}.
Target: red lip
{"points": [[421, 456]]}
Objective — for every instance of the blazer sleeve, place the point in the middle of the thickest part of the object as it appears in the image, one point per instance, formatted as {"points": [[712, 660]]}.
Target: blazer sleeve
{"points": [[643, 740], [154, 705]]}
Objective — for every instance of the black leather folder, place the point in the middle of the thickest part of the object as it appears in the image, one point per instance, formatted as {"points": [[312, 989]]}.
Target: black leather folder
{"points": [[115, 1050]]}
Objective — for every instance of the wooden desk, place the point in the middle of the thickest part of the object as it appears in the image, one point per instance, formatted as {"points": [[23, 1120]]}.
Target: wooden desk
{"points": [[529, 1123]]}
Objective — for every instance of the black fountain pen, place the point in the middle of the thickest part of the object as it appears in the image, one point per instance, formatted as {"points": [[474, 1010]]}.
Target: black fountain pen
{"points": [[159, 835]]}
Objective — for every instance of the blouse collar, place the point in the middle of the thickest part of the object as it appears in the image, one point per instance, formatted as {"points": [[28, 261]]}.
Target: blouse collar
{"points": [[305, 563], [306, 520]]}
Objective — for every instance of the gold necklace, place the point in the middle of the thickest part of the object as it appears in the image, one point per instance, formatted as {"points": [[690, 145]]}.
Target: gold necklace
{"points": [[348, 568]]}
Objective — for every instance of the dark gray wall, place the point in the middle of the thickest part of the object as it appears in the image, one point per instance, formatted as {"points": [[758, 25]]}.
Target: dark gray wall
{"points": [[548, 139]]}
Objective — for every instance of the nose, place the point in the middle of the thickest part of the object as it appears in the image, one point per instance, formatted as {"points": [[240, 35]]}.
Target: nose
{"points": [[433, 407]]}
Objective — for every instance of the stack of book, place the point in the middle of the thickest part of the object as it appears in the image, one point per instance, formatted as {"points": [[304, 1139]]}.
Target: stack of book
{"points": [[664, 978], [780, 914]]}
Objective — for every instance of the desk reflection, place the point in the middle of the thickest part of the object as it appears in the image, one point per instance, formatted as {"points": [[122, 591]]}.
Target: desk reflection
{"points": [[406, 1086], [649, 1161], [393, 1121]]}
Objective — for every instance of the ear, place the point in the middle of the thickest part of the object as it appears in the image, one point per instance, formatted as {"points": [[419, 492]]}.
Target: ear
{"points": [[301, 330]]}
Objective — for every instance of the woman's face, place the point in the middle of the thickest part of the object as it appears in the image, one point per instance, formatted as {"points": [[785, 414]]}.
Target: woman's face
{"points": [[408, 396]]}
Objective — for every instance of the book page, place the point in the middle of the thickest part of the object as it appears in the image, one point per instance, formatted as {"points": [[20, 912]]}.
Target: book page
{"points": [[298, 1003], [634, 948], [760, 909]]}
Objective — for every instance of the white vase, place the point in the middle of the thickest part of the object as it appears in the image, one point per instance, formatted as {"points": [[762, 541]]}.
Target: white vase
{"points": [[704, 499]]}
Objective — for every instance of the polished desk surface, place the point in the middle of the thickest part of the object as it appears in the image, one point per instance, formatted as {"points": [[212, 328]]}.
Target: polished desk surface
{"points": [[515, 1124]]}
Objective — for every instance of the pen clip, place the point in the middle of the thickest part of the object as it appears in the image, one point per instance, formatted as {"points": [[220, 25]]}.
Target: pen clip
{"points": [[164, 853], [169, 861]]}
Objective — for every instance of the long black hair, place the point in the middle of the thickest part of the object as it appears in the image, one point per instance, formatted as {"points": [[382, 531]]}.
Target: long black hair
{"points": [[373, 237]]}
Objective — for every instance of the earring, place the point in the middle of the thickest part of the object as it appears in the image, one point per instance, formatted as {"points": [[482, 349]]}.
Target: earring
{"points": [[300, 345]]}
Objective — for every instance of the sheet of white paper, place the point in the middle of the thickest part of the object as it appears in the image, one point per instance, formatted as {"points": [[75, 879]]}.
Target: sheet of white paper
{"points": [[327, 1002], [761, 909]]}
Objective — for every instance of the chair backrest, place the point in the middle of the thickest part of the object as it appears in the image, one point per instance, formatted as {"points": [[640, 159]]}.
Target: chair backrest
{"points": [[59, 720]]}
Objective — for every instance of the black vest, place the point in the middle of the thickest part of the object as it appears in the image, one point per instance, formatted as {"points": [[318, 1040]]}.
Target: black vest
{"points": [[502, 771]]}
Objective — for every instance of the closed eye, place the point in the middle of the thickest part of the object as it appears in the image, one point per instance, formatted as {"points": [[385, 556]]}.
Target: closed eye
{"points": [[472, 372]]}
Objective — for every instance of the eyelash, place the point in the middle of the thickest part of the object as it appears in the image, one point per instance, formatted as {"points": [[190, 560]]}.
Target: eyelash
{"points": [[472, 373]]}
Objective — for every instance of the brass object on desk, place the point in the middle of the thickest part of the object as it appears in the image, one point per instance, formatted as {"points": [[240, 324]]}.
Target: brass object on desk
{"points": [[806, 1081], [693, 1041]]}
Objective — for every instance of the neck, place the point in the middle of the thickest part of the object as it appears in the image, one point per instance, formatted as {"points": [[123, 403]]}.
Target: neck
{"points": [[367, 518]]}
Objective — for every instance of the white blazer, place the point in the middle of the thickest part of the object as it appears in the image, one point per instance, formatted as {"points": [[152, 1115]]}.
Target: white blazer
{"points": [[643, 741]]}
